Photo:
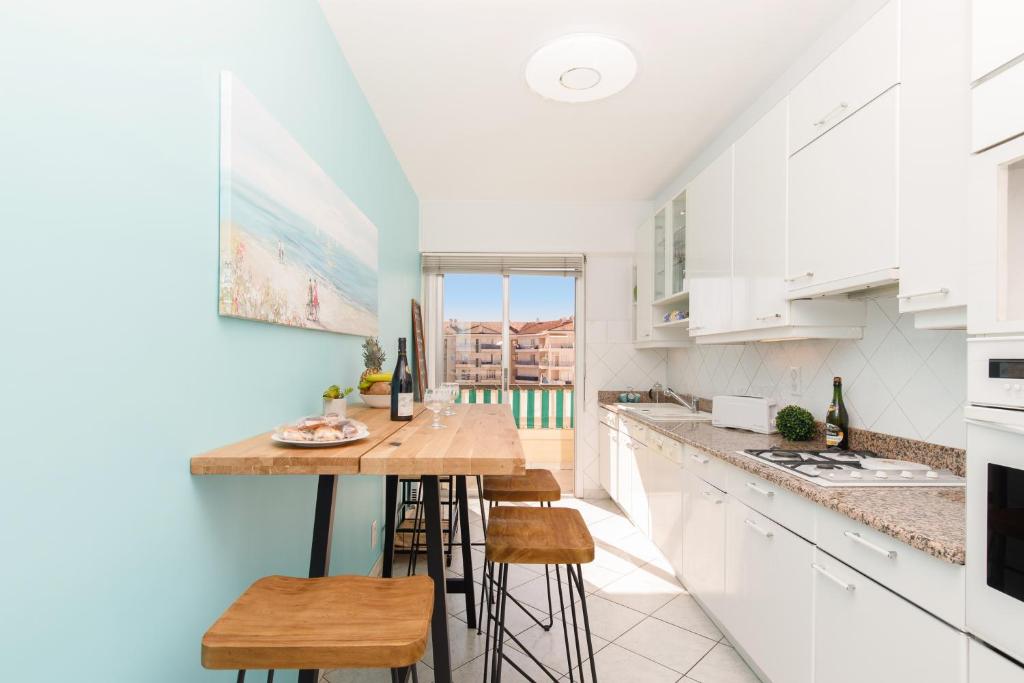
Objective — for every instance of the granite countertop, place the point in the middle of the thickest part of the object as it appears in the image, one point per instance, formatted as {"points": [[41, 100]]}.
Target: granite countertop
{"points": [[930, 519]]}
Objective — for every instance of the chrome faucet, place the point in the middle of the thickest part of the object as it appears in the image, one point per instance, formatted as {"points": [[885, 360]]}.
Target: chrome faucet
{"points": [[693, 404]]}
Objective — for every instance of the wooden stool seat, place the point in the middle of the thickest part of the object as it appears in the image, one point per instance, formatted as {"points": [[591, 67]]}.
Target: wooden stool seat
{"points": [[337, 622], [522, 535], [536, 486]]}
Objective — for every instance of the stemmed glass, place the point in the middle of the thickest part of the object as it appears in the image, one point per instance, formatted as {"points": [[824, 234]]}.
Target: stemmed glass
{"points": [[453, 390], [435, 399]]}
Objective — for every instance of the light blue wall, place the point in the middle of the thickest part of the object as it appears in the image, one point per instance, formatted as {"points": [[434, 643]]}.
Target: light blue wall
{"points": [[115, 367]]}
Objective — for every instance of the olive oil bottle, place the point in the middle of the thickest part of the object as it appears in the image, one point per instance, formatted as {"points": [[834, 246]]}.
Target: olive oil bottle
{"points": [[837, 421]]}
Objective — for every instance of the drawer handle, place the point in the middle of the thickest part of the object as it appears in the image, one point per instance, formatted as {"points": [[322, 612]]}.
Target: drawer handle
{"points": [[801, 276], [696, 327], [753, 525], [757, 489], [838, 110], [941, 291], [857, 538], [773, 316], [709, 494], [833, 578], [699, 458]]}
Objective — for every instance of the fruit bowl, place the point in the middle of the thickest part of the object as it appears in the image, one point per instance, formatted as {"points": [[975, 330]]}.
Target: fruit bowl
{"points": [[376, 400]]}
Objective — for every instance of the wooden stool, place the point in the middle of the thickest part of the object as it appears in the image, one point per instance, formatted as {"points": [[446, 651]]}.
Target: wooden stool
{"points": [[526, 535], [337, 622], [536, 486]]}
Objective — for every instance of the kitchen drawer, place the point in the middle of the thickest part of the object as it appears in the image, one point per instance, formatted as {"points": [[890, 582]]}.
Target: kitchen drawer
{"points": [[609, 418], [665, 447], [997, 109], [633, 429], [709, 468], [861, 69], [774, 502], [934, 585], [988, 666]]}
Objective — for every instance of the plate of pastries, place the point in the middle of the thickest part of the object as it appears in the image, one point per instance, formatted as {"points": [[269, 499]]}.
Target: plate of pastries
{"points": [[321, 431]]}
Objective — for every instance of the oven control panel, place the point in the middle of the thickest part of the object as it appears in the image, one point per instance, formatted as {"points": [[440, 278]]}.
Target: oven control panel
{"points": [[995, 372]]}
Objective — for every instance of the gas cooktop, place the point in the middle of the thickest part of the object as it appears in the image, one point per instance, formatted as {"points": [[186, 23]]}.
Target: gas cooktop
{"points": [[836, 467]]}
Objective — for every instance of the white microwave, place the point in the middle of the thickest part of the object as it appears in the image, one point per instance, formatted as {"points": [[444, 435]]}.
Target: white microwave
{"points": [[995, 372]]}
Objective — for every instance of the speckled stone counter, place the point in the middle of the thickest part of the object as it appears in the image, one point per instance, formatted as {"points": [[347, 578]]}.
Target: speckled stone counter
{"points": [[930, 519]]}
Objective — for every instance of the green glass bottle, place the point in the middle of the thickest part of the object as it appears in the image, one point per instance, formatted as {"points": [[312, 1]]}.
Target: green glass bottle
{"points": [[837, 421]]}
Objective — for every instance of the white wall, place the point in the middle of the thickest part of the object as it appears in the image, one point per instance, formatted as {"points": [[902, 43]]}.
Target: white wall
{"points": [[896, 379], [604, 232]]}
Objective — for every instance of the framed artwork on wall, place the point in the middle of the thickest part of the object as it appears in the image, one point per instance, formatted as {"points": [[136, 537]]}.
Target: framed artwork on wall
{"points": [[419, 348]]}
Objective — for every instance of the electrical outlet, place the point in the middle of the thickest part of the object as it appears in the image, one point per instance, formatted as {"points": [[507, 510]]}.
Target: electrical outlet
{"points": [[374, 535], [796, 385]]}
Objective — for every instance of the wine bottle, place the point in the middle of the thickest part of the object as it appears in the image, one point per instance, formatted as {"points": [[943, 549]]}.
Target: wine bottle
{"points": [[401, 386], [837, 421]]}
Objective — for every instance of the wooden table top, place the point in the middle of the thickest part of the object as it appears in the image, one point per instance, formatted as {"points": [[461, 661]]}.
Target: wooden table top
{"points": [[479, 439], [260, 455]]}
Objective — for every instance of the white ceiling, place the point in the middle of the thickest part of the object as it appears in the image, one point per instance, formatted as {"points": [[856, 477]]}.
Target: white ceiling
{"points": [[445, 78]]}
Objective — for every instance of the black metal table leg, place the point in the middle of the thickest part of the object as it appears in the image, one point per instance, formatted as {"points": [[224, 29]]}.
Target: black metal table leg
{"points": [[320, 549], [435, 568], [390, 523], [462, 497]]}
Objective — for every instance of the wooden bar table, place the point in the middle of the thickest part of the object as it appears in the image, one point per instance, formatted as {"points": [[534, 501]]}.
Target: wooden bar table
{"points": [[480, 439]]}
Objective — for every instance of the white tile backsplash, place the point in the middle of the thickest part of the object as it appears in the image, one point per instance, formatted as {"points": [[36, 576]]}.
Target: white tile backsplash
{"points": [[897, 379]]}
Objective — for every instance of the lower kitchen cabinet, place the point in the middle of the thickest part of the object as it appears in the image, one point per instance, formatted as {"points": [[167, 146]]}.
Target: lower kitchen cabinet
{"points": [[704, 541], [608, 458], [768, 591], [988, 666], [665, 504], [639, 510], [864, 632]]}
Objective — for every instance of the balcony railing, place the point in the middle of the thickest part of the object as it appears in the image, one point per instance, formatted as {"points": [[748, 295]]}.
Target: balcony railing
{"points": [[532, 408]]}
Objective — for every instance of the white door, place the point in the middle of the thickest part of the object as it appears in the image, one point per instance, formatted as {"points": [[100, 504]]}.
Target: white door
{"points": [[704, 540], [768, 593], [843, 204], [996, 34], [709, 247], [864, 632], [759, 224]]}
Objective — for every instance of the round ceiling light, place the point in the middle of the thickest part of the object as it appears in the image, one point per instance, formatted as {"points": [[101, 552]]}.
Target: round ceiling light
{"points": [[582, 67]]}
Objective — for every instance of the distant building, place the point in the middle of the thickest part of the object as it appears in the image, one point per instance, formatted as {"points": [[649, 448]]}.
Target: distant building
{"points": [[543, 352]]}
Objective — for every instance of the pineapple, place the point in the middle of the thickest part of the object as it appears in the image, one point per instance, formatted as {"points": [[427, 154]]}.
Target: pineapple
{"points": [[373, 380]]}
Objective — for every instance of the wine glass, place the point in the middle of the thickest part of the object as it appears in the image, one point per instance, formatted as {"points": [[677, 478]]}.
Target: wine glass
{"points": [[452, 389], [435, 399]]}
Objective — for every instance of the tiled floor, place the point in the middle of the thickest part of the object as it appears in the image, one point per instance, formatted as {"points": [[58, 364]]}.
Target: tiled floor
{"points": [[645, 627]]}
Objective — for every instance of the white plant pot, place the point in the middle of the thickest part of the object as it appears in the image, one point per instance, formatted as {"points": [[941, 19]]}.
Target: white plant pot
{"points": [[339, 406]]}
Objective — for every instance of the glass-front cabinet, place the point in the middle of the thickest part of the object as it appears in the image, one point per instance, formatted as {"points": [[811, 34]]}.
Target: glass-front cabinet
{"points": [[660, 254], [678, 252]]}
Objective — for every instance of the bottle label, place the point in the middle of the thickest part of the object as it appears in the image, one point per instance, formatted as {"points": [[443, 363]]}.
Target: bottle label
{"points": [[405, 405], [833, 435]]}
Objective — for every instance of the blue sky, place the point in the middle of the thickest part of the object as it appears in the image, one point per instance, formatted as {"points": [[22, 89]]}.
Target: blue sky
{"points": [[478, 297]]}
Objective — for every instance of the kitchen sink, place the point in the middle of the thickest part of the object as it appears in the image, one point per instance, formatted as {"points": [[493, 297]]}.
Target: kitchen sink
{"points": [[663, 412]]}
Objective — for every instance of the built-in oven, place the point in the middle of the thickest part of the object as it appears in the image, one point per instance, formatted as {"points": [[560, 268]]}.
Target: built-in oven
{"points": [[995, 493]]}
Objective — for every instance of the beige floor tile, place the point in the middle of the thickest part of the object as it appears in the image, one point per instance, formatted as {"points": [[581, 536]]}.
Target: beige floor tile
{"points": [[465, 644], [642, 590], [722, 665], [608, 620], [618, 664], [609, 557], [473, 672], [684, 612], [549, 647], [612, 528], [424, 672], [534, 593], [666, 644]]}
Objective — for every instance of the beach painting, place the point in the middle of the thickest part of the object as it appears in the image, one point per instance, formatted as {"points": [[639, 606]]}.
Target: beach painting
{"points": [[294, 249]]}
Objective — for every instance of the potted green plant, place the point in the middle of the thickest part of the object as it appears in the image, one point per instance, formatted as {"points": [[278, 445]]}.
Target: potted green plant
{"points": [[334, 400], [795, 423]]}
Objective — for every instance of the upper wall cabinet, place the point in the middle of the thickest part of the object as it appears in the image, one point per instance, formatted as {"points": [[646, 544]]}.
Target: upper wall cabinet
{"points": [[996, 35], [862, 68], [709, 247]]}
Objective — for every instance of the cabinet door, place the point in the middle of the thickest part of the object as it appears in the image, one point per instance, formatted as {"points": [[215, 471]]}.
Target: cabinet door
{"points": [[704, 540], [644, 279], [660, 254], [665, 502], [604, 456], [677, 242], [768, 593], [759, 224], [709, 247], [624, 486], [988, 666], [863, 632], [639, 510], [613, 463], [996, 34], [843, 202]]}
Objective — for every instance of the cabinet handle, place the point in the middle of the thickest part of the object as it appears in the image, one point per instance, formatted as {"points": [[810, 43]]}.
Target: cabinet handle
{"points": [[773, 316], [696, 327], [699, 458], [753, 525], [857, 538], [709, 494], [801, 276], [824, 119], [941, 291], [757, 489], [832, 577]]}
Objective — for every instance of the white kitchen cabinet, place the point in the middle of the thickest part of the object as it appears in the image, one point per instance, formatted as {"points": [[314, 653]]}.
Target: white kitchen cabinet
{"points": [[864, 632], [662, 482], [644, 264], [639, 510], [709, 247], [768, 593], [843, 205], [997, 108], [660, 247], [988, 666], [996, 34], [625, 465], [607, 445], [704, 541]]}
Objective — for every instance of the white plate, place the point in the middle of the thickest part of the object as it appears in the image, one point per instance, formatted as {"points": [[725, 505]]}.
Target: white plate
{"points": [[321, 444]]}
